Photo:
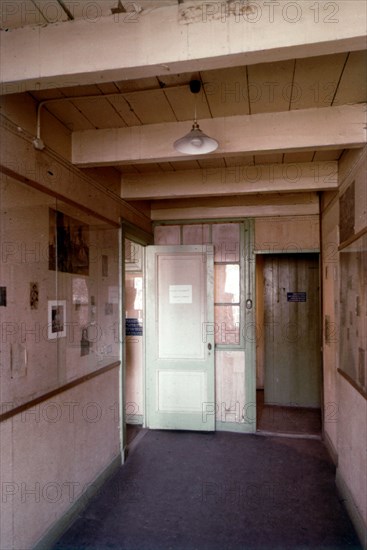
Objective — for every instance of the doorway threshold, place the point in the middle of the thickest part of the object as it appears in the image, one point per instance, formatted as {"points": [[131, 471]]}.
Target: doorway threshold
{"points": [[289, 435]]}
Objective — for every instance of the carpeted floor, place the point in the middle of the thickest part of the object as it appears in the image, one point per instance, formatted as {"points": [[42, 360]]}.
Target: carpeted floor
{"points": [[217, 491]]}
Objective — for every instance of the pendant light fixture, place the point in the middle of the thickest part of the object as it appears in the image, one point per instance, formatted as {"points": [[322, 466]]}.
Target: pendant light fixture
{"points": [[195, 142]]}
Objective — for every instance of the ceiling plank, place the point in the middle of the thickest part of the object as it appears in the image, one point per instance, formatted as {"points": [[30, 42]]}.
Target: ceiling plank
{"points": [[270, 86], [151, 106], [185, 164], [239, 160], [275, 158], [241, 180], [124, 110], [148, 168], [227, 91], [316, 80], [183, 102], [92, 11], [100, 112], [324, 128], [51, 11], [178, 46], [327, 155], [166, 166], [210, 163], [353, 85], [300, 156], [69, 115], [108, 88]]}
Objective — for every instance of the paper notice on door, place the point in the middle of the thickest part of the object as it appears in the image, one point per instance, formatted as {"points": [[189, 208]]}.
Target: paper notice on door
{"points": [[113, 294], [180, 294]]}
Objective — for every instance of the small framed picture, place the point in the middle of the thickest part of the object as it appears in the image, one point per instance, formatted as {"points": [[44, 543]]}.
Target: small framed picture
{"points": [[104, 265], [3, 296], [33, 295], [133, 256], [56, 318]]}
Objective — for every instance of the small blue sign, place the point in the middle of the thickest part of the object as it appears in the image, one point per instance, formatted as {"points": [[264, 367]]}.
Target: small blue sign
{"points": [[296, 296], [134, 327]]}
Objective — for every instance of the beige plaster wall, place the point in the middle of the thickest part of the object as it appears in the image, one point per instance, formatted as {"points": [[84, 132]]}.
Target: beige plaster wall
{"points": [[330, 277], [287, 234], [345, 407], [351, 445], [32, 363], [52, 452], [51, 455]]}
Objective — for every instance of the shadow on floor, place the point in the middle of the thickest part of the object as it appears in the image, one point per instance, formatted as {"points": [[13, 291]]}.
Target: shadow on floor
{"points": [[217, 491], [132, 431]]}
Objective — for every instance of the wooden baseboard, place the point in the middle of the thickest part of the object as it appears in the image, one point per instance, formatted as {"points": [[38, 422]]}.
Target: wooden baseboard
{"points": [[136, 419], [236, 427], [52, 535]]}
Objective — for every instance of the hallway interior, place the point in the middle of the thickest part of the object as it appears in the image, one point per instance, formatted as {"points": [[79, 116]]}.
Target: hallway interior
{"points": [[209, 491]]}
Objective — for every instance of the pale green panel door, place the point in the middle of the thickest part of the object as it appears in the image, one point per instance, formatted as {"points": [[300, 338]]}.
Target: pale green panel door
{"points": [[180, 338]]}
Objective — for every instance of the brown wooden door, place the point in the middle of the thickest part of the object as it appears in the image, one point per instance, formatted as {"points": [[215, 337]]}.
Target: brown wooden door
{"points": [[292, 330]]}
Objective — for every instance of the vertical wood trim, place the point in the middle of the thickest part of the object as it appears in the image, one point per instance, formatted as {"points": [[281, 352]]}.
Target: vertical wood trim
{"points": [[122, 338], [249, 327]]}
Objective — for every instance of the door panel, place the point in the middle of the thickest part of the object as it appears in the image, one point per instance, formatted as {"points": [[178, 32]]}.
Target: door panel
{"points": [[180, 338], [292, 330]]}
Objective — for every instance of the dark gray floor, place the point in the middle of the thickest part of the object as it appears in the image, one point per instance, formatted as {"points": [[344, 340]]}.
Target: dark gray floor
{"points": [[220, 491], [287, 420]]}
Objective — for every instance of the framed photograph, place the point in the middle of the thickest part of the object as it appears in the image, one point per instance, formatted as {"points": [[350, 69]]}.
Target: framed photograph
{"points": [[68, 244], [56, 319], [33, 295], [104, 265], [133, 256], [3, 296]]}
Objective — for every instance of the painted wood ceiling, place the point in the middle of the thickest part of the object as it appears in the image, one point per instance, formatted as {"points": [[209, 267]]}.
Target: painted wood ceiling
{"points": [[293, 84], [288, 85]]}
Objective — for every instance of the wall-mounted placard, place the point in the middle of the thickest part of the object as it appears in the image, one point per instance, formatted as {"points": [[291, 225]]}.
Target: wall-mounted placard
{"points": [[296, 296], [180, 294]]}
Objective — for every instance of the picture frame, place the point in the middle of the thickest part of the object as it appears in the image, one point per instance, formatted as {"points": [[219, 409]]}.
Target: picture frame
{"points": [[104, 265], [133, 256], [56, 319], [68, 249]]}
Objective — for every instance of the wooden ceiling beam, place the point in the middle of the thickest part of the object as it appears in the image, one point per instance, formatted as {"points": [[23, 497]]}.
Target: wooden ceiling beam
{"points": [[324, 128], [287, 204], [174, 39], [236, 180]]}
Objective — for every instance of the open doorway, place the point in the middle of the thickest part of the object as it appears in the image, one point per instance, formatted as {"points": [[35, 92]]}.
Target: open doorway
{"points": [[288, 377], [134, 353]]}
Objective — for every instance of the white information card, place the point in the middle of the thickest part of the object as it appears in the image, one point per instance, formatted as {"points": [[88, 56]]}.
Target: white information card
{"points": [[180, 294]]}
